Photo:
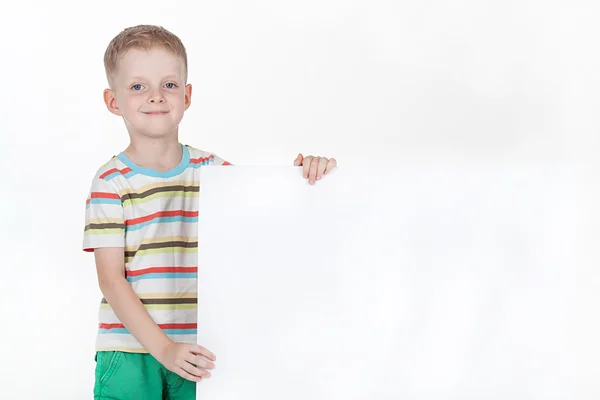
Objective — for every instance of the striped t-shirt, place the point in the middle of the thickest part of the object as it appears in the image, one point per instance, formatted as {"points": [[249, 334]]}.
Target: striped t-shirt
{"points": [[154, 216]]}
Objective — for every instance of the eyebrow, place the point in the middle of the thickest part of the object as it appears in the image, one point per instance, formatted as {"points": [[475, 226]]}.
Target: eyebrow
{"points": [[142, 78]]}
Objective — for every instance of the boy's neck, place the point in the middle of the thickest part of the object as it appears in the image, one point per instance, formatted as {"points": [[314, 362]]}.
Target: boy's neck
{"points": [[160, 154]]}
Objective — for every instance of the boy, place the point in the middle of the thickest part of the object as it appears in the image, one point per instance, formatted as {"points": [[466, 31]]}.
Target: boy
{"points": [[141, 217]]}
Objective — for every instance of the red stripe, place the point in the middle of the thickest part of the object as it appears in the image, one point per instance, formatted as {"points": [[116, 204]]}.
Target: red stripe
{"points": [[150, 217], [226, 163], [113, 170], [102, 195], [162, 326], [155, 270], [201, 159]]}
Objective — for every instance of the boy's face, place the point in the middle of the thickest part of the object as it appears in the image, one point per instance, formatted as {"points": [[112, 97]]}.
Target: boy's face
{"points": [[149, 92]]}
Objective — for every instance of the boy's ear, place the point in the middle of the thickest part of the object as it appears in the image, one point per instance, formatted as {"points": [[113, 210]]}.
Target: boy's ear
{"points": [[111, 102], [188, 95]]}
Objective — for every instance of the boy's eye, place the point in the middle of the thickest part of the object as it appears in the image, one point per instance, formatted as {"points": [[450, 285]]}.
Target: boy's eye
{"points": [[137, 87], [171, 85]]}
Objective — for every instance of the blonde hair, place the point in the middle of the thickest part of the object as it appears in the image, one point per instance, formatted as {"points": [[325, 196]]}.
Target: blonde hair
{"points": [[141, 37]]}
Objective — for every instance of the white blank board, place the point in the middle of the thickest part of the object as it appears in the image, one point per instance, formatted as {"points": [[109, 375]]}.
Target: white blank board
{"points": [[437, 282]]}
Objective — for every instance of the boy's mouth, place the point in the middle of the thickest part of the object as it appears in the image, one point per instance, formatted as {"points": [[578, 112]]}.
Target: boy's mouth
{"points": [[156, 112]]}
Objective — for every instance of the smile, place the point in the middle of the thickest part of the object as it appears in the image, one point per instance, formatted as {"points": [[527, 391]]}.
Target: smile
{"points": [[156, 112]]}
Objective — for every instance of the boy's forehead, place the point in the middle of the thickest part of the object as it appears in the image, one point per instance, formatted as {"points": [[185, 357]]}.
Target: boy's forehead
{"points": [[150, 63]]}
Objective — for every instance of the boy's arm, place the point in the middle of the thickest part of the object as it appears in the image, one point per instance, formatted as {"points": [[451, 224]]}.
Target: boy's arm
{"points": [[180, 358], [125, 303]]}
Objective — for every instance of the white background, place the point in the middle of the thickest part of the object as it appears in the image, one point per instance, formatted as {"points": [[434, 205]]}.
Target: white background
{"points": [[369, 82]]}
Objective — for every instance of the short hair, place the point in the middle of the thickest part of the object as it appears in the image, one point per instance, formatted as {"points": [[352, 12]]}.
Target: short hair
{"points": [[142, 37]]}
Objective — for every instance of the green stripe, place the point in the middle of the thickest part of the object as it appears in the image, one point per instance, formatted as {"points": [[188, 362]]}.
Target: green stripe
{"points": [[116, 231], [179, 193], [161, 306]]}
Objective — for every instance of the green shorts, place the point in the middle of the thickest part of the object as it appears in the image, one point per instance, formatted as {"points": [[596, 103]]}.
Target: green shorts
{"points": [[133, 376]]}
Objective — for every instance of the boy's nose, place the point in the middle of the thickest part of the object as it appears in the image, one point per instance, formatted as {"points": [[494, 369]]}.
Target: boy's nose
{"points": [[156, 97]]}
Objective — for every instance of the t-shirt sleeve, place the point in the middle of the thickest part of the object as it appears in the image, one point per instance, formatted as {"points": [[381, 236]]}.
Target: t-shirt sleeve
{"points": [[104, 218], [218, 161]]}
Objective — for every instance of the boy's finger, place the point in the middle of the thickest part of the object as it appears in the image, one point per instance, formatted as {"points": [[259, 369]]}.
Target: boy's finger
{"points": [[331, 164], [189, 368], [199, 361], [314, 165], [188, 376], [306, 166], [197, 349], [322, 165], [298, 160]]}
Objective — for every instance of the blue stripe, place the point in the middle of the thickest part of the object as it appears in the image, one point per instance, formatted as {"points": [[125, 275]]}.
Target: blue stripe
{"points": [[167, 331], [163, 275], [100, 200], [210, 160], [117, 173], [161, 219]]}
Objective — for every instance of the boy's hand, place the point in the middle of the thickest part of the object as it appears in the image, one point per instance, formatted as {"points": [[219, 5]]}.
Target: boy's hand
{"points": [[186, 360], [314, 167]]}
